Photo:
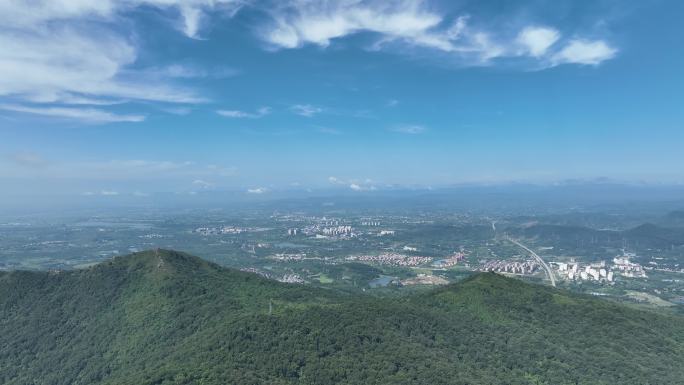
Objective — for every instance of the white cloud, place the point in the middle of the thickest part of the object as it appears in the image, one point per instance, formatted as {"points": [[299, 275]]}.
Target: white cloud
{"points": [[258, 190], [261, 112], [317, 22], [585, 52], [18, 14], [354, 184], [412, 129], [88, 115], [409, 22], [404, 25], [537, 40], [64, 63], [185, 71], [202, 184], [360, 187], [306, 110], [74, 52], [109, 193]]}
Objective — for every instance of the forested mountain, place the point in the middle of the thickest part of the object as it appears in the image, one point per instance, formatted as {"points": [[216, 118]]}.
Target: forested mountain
{"points": [[163, 317]]}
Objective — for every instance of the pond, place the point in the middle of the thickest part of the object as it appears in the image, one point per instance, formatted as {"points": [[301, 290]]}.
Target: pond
{"points": [[381, 281]]}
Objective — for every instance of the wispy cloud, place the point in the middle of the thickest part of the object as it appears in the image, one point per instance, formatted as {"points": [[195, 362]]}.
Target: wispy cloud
{"points": [[74, 52], [258, 190], [18, 14], [411, 129], [261, 112], [203, 184], [306, 110], [408, 25], [88, 115], [186, 71], [66, 64], [585, 52]]}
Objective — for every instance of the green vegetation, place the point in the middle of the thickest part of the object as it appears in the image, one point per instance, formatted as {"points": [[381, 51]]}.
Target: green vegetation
{"points": [[170, 318]]}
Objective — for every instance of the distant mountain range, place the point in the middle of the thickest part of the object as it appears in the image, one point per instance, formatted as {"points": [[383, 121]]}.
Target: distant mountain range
{"points": [[654, 235], [164, 317]]}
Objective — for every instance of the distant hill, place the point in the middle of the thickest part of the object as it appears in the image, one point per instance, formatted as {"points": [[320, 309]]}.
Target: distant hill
{"points": [[647, 235], [673, 219], [163, 317], [651, 234]]}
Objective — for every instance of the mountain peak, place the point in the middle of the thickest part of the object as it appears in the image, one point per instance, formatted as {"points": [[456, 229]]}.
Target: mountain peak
{"points": [[156, 262]]}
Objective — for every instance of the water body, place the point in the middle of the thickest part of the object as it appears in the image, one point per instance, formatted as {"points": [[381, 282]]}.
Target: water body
{"points": [[381, 281], [439, 263]]}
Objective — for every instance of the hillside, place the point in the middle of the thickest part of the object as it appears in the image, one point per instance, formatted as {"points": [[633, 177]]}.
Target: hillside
{"points": [[169, 318]]}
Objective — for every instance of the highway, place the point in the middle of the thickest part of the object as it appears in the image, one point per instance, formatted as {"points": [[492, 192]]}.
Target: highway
{"points": [[546, 267]]}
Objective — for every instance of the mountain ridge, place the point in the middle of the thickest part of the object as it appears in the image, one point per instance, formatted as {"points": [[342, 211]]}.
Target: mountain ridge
{"points": [[165, 317]]}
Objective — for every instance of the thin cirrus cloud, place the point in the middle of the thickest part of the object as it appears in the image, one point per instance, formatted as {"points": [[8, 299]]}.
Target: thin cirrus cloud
{"points": [[400, 24], [260, 113], [411, 129], [90, 115], [257, 190], [306, 110]]}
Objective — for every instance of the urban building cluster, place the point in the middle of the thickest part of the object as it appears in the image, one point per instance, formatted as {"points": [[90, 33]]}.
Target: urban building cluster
{"points": [[589, 272], [319, 231], [449, 261], [601, 271], [291, 257], [628, 268], [338, 230], [219, 230], [291, 278], [516, 267], [392, 259], [287, 278]]}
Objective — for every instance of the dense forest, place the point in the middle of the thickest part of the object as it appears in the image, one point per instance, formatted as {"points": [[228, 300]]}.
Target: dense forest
{"points": [[163, 317]]}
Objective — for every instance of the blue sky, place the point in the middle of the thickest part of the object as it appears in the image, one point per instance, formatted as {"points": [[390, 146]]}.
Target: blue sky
{"points": [[142, 96]]}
